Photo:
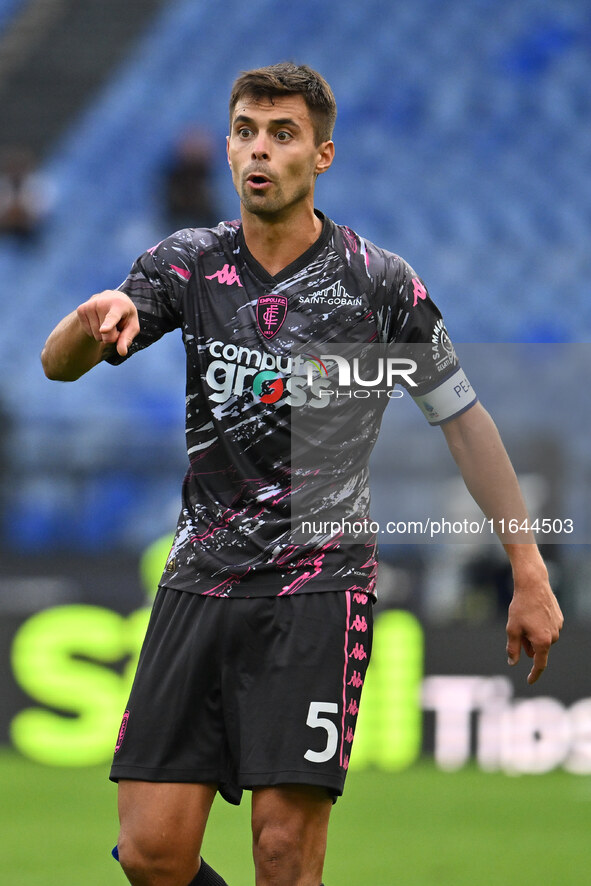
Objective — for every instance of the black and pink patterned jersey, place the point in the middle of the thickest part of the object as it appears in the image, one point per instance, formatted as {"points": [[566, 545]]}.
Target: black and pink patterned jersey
{"points": [[264, 440]]}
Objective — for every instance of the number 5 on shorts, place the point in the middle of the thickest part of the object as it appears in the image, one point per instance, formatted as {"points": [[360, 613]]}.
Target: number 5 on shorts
{"points": [[315, 721]]}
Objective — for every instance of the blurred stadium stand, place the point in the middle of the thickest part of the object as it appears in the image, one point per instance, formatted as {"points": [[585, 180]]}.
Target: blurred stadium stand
{"points": [[54, 56], [463, 143], [8, 8]]}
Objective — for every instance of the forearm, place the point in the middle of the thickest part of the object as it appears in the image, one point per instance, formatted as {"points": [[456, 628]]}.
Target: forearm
{"points": [[535, 618], [478, 450], [108, 319], [69, 351]]}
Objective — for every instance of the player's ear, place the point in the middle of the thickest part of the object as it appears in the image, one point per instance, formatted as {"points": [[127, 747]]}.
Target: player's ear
{"points": [[325, 157], [228, 151]]}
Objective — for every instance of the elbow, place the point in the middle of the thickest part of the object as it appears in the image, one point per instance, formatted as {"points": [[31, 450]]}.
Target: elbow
{"points": [[48, 368], [53, 370]]}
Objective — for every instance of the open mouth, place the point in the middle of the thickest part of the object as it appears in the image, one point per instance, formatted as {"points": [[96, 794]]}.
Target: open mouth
{"points": [[256, 180]]}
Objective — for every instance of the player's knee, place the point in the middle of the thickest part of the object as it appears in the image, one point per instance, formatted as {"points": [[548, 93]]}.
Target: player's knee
{"points": [[277, 850], [154, 861]]}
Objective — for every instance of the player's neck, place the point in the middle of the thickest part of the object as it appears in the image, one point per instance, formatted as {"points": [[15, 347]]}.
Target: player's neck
{"points": [[276, 243]]}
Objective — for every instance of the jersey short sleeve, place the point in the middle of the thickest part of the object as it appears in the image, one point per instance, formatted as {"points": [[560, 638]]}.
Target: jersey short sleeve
{"points": [[156, 284]]}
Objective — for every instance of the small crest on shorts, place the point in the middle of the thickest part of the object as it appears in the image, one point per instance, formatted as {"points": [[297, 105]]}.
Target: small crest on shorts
{"points": [[271, 313], [122, 730]]}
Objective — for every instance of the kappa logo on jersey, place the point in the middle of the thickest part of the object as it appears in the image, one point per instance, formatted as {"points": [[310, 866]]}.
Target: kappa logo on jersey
{"points": [[227, 275], [271, 314], [419, 291]]}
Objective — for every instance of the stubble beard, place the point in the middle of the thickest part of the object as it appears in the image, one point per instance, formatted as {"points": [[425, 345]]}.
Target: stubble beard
{"points": [[275, 205]]}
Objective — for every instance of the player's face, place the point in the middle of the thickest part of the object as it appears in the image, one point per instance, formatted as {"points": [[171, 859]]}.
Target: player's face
{"points": [[273, 155]]}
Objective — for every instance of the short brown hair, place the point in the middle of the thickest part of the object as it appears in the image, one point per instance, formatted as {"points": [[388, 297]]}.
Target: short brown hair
{"points": [[287, 78]]}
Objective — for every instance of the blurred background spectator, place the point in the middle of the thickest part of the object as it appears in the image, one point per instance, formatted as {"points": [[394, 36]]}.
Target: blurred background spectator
{"points": [[25, 196], [188, 183]]}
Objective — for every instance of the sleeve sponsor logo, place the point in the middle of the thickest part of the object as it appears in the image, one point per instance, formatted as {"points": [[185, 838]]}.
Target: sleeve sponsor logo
{"points": [[442, 349]]}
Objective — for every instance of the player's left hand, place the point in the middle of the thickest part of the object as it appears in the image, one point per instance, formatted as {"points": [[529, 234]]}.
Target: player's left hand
{"points": [[534, 624]]}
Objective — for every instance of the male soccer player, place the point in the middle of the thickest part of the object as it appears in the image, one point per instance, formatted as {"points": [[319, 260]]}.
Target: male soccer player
{"points": [[254, 659]]}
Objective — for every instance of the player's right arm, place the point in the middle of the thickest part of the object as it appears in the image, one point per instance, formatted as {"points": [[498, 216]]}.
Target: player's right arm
{"points": [[108, 319]]}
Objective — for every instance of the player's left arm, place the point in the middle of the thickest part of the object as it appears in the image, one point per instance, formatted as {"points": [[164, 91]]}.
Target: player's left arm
{"points": [[535, 619]]}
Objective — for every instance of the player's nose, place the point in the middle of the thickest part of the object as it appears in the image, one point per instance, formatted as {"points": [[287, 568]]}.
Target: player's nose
{"points": [[260, 148]]}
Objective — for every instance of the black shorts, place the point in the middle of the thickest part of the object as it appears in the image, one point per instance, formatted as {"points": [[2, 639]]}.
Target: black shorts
{"points": [[247, 692]]}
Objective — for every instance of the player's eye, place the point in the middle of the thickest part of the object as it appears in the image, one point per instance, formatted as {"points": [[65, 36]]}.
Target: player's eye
{"points": [[244, 132], [283, 135]]}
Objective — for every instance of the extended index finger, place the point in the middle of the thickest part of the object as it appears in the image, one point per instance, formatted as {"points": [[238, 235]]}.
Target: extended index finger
{"points": [[539, 665], [112, 318]]}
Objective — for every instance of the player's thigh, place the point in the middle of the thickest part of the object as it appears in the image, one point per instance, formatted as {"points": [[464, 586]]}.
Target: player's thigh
{"points": [[163, 818]]}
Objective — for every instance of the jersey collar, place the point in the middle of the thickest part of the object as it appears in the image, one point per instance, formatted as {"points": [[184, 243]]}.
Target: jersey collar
{"points": [[298, 265]]}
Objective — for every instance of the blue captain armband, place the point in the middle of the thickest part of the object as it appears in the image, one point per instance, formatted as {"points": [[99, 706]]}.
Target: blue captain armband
{"points": [[447, 400]]}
